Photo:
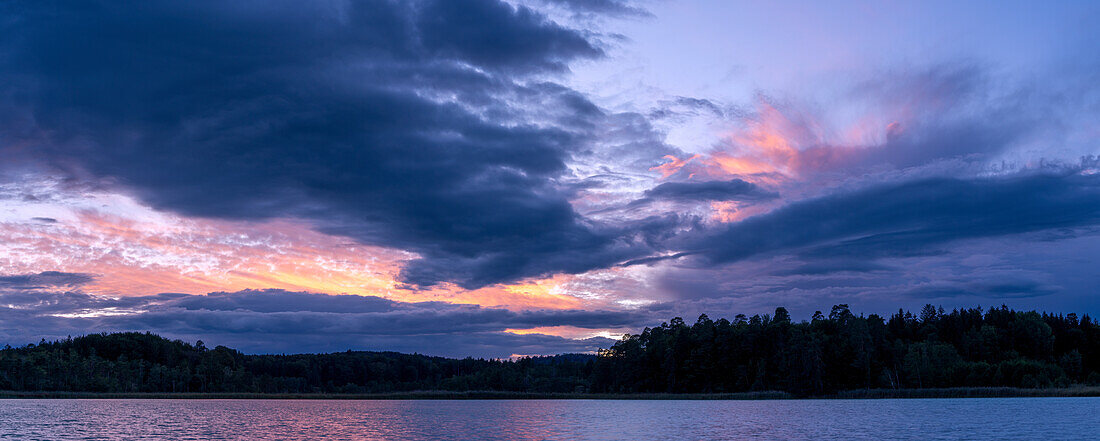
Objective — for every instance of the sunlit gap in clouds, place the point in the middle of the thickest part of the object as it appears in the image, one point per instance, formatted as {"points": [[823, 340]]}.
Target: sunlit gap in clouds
{"points": [[575, 332], [132, 250]]}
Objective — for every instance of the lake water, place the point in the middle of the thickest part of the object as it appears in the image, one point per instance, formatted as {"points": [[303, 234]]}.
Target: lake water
{"points": [[982, 418]]}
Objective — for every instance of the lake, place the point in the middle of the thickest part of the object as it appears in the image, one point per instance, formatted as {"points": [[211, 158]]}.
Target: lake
{"points": [[975, 418]]}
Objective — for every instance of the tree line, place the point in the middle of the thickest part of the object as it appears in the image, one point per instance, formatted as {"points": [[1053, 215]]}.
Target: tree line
{"points": [[841, 351]]}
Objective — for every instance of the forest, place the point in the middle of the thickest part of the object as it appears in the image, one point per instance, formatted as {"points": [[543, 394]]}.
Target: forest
{"points": [[999, 347]]}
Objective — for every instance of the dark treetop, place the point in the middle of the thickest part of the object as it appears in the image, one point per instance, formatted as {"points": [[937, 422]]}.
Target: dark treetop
{"points": [[841, 351]]}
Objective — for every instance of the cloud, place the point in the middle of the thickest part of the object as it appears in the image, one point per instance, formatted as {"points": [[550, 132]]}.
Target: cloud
{"points": [[991, 289], [835, 266], [910, 218], [44, 280], [493, 34], [439, 127], [278, 321], [604, 7], [731, 190], [428, 126], [893, 120]]}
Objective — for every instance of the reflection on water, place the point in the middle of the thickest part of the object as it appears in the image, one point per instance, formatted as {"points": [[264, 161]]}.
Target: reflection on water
{"points": [[990, 418]]}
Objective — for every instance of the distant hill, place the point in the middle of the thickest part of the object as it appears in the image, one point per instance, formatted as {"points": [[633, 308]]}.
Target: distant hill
{"points": [[841, 351]]}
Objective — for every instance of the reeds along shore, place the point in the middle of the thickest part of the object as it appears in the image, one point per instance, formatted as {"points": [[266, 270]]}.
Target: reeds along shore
{"points": [[960, 392]]}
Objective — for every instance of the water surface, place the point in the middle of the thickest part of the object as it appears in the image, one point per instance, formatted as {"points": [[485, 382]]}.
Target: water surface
{"points": [[974, 418]]}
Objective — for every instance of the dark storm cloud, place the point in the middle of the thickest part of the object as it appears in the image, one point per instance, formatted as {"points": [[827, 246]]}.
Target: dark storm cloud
{"points": [[910, 218], [835, 266], [45, 279], [604, 7], [424, 125], [275, 300], [277, 321], [491, 33], [1003, 289], [732, 190]]}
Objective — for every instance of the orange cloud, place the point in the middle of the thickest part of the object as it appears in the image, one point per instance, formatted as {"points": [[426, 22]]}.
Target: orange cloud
{"points": [[136, 257], [778, 145], [674, 165], [783, 142], [134, 250]]}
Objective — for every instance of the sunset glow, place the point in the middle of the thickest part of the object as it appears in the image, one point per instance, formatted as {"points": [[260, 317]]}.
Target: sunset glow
{"points": [[490, 178]]}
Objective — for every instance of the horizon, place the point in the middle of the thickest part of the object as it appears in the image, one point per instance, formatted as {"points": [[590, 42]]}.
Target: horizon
{"points": [[493, 178], [734, 319]]}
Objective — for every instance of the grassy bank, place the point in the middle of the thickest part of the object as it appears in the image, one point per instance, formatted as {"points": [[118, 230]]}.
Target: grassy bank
{"points": [[978, 392]]}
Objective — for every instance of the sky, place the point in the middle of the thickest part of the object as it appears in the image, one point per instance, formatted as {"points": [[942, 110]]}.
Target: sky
{"points": [[497, 178]]}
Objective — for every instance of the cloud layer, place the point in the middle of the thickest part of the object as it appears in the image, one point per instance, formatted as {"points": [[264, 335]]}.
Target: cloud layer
{"points": [[413, 125], [911, 218], [513, 155], [273, 321]]}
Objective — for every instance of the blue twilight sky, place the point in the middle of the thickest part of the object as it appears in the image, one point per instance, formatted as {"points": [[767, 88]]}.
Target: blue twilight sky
{"points": [[493, 178]]}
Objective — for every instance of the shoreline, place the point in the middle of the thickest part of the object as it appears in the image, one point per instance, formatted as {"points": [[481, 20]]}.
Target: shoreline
{"points": [[978, 392]]}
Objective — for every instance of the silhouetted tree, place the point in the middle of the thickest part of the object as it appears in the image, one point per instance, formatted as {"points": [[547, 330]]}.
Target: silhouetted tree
{"points": [[964, 347]]}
